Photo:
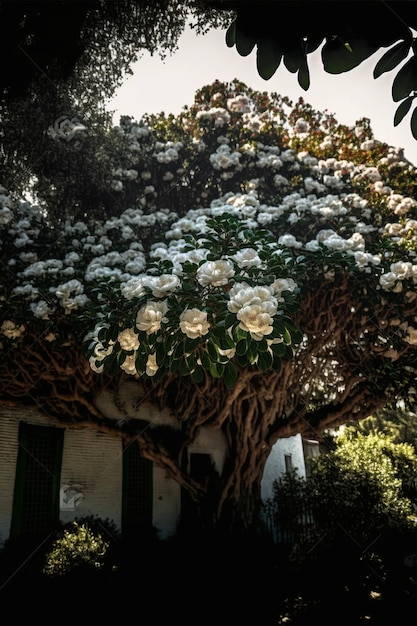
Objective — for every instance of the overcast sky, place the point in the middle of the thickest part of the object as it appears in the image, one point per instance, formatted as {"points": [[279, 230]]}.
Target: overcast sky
{"points": [[169, 85]]}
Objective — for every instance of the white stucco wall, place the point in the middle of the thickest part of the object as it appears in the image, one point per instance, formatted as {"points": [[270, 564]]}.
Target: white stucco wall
{"points": [[8, 454], [92, 467], [275, 465], [212, 442], [133, 404], [166, 503]]}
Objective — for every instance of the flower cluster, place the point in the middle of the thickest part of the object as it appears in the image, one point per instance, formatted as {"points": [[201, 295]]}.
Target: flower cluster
{"points": [[219, 301], [238, 209]]}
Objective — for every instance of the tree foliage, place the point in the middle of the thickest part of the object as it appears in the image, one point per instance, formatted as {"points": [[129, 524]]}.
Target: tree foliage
{"points": [[256, 275], [64, 61], [359, 489], [347, 33], [351, 519]]}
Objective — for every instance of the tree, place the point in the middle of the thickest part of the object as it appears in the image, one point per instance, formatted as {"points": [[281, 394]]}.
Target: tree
{"points": [[348, 33], [64, 61], [356, 525], [260, 281], [396, 421]]}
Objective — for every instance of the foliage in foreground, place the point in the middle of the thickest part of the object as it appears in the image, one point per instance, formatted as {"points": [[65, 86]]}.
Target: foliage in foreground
{"points": [[352, 519], [356, 491], [81, 545]]}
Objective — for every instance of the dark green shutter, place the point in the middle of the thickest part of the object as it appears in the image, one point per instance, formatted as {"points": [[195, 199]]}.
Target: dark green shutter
{"points": [[37, 481]]}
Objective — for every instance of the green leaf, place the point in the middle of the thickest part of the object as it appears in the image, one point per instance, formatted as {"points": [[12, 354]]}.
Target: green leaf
{"points": [[293, 59], [337, 58], [179, 350], [405, 81], [265, 361], [245, 42], [286, 337], [226, 342], [402, 110], [205, 361], [312, 43], [239, 334], [413, 123], [241, 360], [197, 375], [230, 375], [231, 35], [262, 345], [252, 353], [229, 320], [161, 353], [278, 349], [392, 58], [174, 365], [241, 347], [190, 345], [297, 335], [184, 368], [268, 57], [216, 370], [303, 75], [212, 350]]}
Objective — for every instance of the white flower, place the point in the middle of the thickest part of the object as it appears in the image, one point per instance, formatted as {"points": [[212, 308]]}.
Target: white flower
{"points": [[193, 323], [257, 319], [247, 257], [100, 351], [151, 365], [92, 361], [65, 128], [289, 241], [128, 339], [283, 284], [66, 291], [215, 273], [254, 308], [150, 316], [133, 288], [129, 364], [242, 295], [10, 330], [240, 104], [41, 310], [161, 285]]}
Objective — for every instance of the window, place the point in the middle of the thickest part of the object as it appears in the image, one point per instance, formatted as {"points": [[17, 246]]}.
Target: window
{"points": [[200, 468], [38, 472], [288, 463], [137, 491]]}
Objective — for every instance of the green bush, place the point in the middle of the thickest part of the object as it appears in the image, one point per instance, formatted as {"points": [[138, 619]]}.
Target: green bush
{"points": [[350, 520], [82, 545]]}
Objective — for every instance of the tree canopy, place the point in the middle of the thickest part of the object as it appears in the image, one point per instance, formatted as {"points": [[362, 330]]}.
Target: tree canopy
{"points": [[347, 33], [62, 76], [257, 277], [65, 59]]}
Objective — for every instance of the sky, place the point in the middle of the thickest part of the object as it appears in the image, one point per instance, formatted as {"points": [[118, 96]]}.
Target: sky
{"points": [[168, 85]]}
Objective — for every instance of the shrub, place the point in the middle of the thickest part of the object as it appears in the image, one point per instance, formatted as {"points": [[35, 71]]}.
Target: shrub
{"points": [[83, 544]]}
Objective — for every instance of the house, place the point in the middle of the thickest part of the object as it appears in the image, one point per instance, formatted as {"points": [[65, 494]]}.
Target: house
{"points": [[51, 472]]}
